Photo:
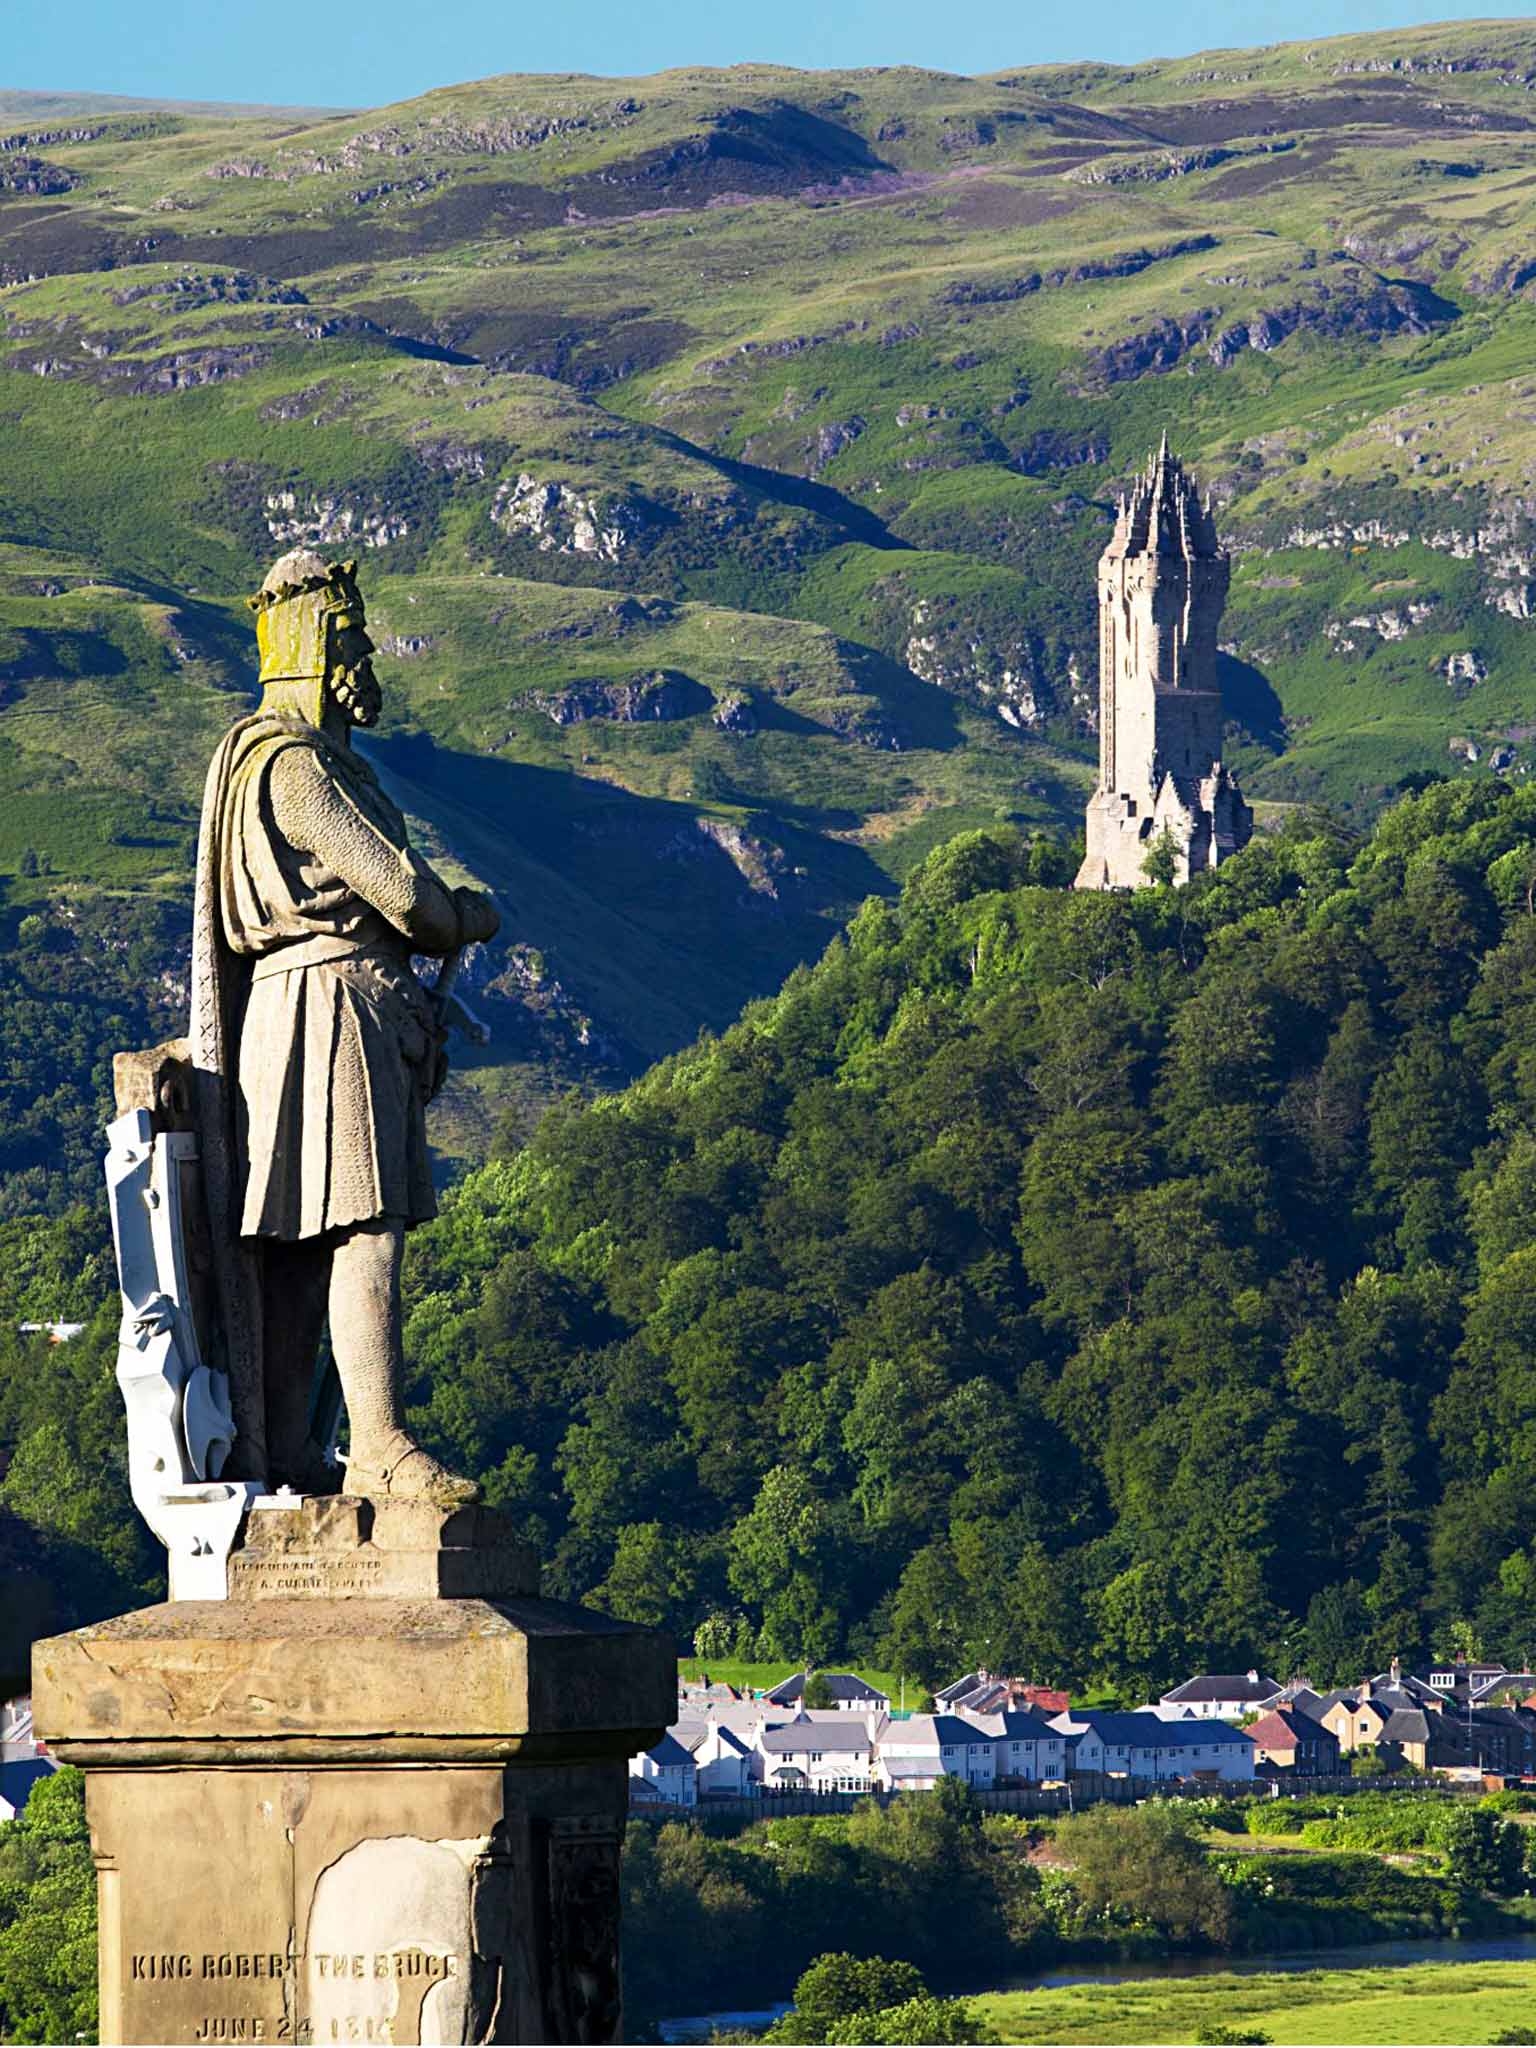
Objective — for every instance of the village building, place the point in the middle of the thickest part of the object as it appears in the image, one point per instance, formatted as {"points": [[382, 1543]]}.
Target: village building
{"points": [[722, 1759], [1143, 1745], [980, 1692], [830, 1755], [1028, 1749], [847, 1691], [914, 1754], [1218, 1696], [664, 1775], [23, 1759], [1287, 1739]]}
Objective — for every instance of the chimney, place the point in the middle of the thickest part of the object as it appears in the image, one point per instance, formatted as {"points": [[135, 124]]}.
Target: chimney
{"points": [[1397, 1670]]}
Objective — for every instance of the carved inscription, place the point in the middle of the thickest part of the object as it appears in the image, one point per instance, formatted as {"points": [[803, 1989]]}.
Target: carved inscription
{"points": [[299, 1578], [415, 1968]]}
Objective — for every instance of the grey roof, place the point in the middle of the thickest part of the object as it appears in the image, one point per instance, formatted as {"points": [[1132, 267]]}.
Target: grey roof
{"points": [[747, 1716], [19, 1776], [669, 1751], [1148, 1731], [1018, 1724], [843, 1685], [1524, 1681], [792, 1736], [1305, 1701], [1407, 1724], [908, 1766], [1224, 1686], [971, 1682], [932, 1730]]}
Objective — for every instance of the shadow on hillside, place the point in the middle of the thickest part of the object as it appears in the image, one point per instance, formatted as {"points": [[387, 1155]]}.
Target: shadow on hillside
{"points": [[1249, 698], [656, 924], [856, 520]]}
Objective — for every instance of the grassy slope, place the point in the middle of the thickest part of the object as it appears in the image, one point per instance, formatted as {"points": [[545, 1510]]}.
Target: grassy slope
{"points": [[763, 1677], [850, 366], [1423, 2003]]}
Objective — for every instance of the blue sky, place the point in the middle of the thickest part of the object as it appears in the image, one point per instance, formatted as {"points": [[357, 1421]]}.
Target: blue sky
{"points": [[372, 51]]}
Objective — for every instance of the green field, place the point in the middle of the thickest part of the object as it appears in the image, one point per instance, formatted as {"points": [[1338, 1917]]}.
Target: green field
{"points": [[1456, 2004]]}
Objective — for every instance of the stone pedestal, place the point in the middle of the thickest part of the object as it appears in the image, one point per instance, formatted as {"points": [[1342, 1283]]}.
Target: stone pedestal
{"points": [[377, 1795]]}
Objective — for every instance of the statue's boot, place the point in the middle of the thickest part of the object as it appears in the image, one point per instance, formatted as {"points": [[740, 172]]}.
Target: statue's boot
{"points": [[397, 1468]]}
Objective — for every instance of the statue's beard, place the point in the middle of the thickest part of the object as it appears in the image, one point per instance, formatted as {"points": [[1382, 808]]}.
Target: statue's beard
{"points": [[357, 691]]}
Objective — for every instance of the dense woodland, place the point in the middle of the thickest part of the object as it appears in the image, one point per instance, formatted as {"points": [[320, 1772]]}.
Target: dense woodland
{"points": [[1101, 1287]]}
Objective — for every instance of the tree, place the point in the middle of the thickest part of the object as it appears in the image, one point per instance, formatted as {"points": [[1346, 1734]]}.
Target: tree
{"points": [[1147, 1864], [818, 1691], [653, 1578], [1484, 1851], [839, 1986], [48, 1916], [1160, 863]]}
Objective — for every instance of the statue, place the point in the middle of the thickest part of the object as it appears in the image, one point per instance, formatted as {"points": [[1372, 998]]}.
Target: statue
{"points": [[313, 1053]]}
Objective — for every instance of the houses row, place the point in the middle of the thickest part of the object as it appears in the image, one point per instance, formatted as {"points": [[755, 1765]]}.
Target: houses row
{"points": [[1462, 1720], [756, 1749]]}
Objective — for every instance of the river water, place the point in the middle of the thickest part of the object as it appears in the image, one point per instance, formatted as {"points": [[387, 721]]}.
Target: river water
{"points": [[1373, 1955]]}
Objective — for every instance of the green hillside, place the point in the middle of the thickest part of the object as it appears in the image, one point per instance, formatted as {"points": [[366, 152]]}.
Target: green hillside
{"points": [[1097, 1287], [1088, 1286], [743, 441]]}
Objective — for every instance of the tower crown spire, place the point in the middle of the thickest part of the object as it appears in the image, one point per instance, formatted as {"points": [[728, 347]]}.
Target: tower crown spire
{"points": [[1164, 514]]}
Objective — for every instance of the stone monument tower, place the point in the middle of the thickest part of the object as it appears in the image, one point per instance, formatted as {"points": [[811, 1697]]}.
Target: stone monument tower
{"points": [[1162, 585]]}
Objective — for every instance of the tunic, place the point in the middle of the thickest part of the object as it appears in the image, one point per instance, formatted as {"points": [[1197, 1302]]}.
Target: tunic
{"points": [[338, 1045]]}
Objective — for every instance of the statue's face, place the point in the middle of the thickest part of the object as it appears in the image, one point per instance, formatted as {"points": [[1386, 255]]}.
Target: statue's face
{"points": [[351, 679]]}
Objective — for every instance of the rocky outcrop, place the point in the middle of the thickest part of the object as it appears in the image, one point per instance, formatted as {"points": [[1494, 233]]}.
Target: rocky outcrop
{"points": [[331, 522], [1156, 167], [661, 695], [190, 289], [1461, 671], [761, 866], [1344, 635], [558, 519], [946, 652], [1501, 541], [1364, 307], [1055, 448], [829, 441], [1149, 352], [735, 712], [32, 175], [998, 291]]}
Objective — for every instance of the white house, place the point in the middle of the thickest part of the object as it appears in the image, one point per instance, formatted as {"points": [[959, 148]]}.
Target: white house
{"points": [[722, 1759], [846, 1690], [1026, 1747], [834, 1754], [665, 1775], [1144, 1746], [1218, 1696], [914, 1754]]}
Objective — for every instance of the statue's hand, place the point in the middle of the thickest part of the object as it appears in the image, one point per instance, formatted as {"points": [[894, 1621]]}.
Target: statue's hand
{"points": [[478, 916]]}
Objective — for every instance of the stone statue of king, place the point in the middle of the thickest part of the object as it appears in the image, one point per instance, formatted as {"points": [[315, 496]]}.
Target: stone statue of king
{"points": [[315, 1049]]}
